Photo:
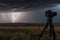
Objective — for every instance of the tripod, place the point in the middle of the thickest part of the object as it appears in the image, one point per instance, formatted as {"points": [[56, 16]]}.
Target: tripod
{"points": [[52, 32]]}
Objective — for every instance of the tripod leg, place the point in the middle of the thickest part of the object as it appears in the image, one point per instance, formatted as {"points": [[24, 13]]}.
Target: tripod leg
{"points": [[50, 30], [54, 34], [43, 31]]}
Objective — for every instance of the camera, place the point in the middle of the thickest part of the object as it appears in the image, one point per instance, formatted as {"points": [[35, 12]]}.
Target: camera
{"points": [[49, 13]]}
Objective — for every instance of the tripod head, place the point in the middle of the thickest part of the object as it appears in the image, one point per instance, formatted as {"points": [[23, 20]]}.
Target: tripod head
{"points": [[50, 15]]}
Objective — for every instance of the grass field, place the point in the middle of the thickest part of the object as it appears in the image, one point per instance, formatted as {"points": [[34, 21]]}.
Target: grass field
{"points": [[30, 32]]}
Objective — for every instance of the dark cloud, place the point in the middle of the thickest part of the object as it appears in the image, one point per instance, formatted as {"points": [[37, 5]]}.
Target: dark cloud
{"points": [[26, 4]]}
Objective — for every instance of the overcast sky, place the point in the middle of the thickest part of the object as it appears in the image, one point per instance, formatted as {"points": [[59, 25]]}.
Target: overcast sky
{"points": [[27, 11]]}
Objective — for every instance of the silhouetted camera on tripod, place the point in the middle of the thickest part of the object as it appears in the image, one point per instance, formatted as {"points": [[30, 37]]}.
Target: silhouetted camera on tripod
{"points": [[49, 13]]}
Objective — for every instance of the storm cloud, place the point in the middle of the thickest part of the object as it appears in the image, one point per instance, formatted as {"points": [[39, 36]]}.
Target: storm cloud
{"points": [[30, 11], [24, 5]]}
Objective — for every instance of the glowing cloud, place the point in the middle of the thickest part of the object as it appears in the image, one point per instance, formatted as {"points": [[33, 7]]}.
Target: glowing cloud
{"points": [[17, 16], [58, 5]]}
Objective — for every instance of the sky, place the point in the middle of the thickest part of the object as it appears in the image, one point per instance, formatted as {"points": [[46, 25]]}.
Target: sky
{"points": [[28, 11]]}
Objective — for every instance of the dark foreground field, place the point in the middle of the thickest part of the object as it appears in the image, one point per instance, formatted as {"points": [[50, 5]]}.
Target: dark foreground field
{"points": [[26, 32], [24, 35]]}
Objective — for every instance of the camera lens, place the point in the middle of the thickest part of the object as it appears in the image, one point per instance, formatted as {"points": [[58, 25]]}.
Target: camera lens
{"points": [[55, 13]]}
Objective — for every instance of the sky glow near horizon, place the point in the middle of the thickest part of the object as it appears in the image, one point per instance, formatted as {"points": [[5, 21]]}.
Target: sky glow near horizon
{"points": [[12, 17]]}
